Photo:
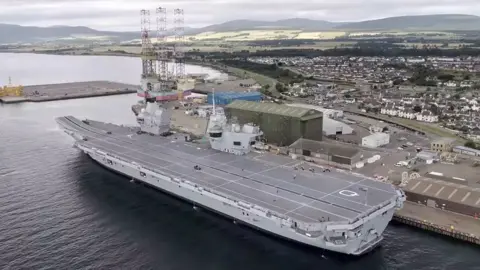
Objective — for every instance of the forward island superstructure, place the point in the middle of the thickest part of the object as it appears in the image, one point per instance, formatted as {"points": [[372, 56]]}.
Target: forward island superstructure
{"points": [[324, 208]]}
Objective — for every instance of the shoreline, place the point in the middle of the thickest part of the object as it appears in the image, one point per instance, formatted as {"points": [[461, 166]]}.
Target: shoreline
{"points": [[16, 100], [72, 90]]}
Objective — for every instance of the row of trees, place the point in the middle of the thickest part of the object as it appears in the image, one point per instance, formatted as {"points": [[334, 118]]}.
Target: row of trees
{"points": [[284, 76], [363, 50], [472, 144]]}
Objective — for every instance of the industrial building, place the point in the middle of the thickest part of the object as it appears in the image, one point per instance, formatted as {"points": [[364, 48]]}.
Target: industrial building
{"points": [[376, 140], [344, 156], [225, 98], [444, 195], [426, 155], [330, 126], [442, 145], [334, 127], [282, 125], [466, 151]]}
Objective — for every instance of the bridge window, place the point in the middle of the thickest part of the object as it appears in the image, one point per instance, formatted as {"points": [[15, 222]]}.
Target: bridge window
{"points": [[237, 143]]}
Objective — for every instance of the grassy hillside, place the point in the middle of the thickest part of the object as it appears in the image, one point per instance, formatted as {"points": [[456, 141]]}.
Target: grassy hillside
{"points": [[424, 22], [248, 30], [10, 33]]}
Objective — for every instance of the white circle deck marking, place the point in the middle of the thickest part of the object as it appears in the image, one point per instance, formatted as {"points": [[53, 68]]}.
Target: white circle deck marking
{"points": [[348, 193]]}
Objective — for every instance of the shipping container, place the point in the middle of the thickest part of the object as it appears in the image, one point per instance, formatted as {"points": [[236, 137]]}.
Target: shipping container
{"points": [[225, 98]]}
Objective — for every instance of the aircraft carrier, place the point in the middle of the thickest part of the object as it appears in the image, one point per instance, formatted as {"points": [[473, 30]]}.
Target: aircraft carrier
{"points": [[325, 208], [328, 209]]}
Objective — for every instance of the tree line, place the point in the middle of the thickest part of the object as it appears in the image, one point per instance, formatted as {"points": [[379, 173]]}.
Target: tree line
{"points": [[357, 51]]}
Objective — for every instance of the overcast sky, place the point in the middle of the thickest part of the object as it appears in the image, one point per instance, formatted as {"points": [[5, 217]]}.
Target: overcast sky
{"points": [[124, 14]]}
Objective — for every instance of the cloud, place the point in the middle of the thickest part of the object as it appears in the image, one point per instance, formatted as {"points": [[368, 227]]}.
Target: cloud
{"points": [[125, 14]]}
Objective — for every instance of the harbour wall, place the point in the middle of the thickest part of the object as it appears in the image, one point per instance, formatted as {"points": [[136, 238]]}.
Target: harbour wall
{"points": [[450, 224], [64, 91]]}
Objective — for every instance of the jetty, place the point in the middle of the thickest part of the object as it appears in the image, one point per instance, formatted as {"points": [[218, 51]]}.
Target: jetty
{"points": [[73, 90]]}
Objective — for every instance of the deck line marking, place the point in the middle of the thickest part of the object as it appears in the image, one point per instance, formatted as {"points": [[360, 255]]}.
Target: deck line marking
{"points": [[478, 202], [453, 193], [415, 186], [303, 205], [171, 149], [427, 188], [466, 196], [439, 191]]}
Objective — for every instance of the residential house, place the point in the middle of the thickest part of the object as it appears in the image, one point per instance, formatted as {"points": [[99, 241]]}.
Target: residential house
{"points": [[427, 116], [442, 145]]}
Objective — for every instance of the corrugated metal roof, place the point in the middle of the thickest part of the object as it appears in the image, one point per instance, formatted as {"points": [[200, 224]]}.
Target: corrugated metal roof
{"points": [[463, 148], [233, 95], [272, 108], [445, 191], [325, 148], [325, 111], [377, 136]]}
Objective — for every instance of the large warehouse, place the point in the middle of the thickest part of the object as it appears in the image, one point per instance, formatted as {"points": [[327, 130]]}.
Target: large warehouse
{"points": [[445, 195], [224, 98], [337, 154], [282, 125], [330, 125]]}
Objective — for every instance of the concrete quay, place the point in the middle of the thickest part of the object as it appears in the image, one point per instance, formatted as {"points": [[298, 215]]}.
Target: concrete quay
{"points": [[62, 91], [439, 221]]}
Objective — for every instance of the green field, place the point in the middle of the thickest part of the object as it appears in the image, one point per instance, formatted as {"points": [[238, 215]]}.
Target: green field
{"points": [[251, 35], [427, 128], [261, 79]]}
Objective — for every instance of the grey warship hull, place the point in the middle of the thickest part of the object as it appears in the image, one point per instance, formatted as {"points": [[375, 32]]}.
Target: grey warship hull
{"points": [[333, 210]]}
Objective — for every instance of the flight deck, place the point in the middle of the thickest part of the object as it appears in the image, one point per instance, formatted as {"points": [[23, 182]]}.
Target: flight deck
{"points": [[275, 182]]}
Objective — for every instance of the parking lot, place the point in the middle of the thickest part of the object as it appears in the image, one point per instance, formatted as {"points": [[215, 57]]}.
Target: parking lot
{"points": [[462, 170], [398, 136], [385, 167]]}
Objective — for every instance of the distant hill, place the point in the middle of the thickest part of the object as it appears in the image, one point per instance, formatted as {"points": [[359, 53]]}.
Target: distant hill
{"points": [[10, 33], [294, 24], [425, 22]]}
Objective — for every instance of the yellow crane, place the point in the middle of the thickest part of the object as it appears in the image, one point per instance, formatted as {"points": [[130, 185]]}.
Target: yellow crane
{"points": [[11, 90]]}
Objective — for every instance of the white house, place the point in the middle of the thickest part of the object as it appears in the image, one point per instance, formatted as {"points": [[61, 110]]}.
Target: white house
{"points": [[427, 116], [407, 114], [451, 84], [376, 140]]}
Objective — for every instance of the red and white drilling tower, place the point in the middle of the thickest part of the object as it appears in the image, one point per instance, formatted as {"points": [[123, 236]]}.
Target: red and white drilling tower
{"points": [[160, 82]]}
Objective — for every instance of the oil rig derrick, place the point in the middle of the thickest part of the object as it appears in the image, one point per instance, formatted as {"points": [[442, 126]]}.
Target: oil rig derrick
{"points": [[162, 82], [179, 53], [148, 54]]}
